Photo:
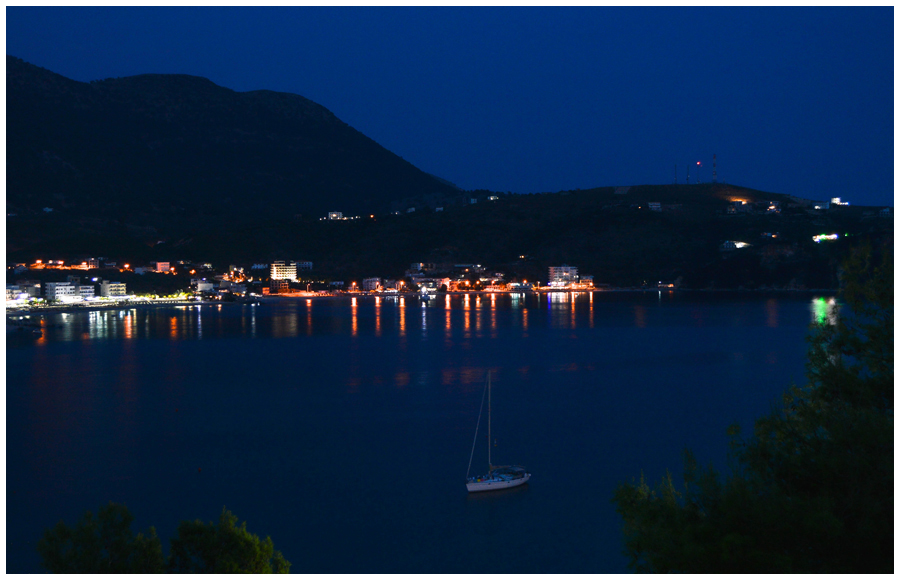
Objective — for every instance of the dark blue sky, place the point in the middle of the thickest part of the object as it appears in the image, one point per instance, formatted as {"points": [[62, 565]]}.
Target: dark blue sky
{"points": [[791, 100]]}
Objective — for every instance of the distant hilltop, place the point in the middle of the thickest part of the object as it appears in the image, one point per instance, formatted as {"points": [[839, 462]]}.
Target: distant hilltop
{"points": [[165, 146], [174, 167]]}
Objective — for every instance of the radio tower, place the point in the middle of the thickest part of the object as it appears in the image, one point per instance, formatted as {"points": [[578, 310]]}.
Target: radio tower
{"points": [[714, 167], [688, 178]]}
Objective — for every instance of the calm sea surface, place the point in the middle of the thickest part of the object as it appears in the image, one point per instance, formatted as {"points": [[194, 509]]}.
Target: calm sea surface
{"points": [[342, 428]]}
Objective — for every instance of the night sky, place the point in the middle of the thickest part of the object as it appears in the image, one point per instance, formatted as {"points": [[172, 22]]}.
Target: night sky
{"points": [[791, 100]]}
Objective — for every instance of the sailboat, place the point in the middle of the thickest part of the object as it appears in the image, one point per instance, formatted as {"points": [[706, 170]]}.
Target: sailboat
{"points": [[500, 477]]}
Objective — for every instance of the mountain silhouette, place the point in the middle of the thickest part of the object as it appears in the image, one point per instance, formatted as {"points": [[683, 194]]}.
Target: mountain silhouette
{"points": [[179, 148]]}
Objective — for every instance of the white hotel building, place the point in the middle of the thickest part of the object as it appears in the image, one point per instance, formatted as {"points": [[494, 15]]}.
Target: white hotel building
{"points": [[561, 276], [61, 291], [283, 271]]}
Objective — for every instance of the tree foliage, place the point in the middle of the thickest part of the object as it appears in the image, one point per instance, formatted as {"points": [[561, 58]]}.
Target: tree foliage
{"points": [[107, 545], [102, 545], [812, 489], [223, 549]]}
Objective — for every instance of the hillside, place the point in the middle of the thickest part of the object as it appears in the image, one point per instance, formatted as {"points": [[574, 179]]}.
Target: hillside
{"points": [[172, 151], [173, 167], [615, 238]]}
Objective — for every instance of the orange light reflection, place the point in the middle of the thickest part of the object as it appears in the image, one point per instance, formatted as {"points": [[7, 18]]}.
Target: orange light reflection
{"points": [[640, 316], [377, 316], [772, 313]]}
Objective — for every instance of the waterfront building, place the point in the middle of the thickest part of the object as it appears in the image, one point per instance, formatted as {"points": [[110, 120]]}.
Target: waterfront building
{"points": [[112, 289], [87, 292], [203, 285], [278, 286], [15, 293], [30, 287], [561, 276], [61, 290], [283, 271], [586, 282], [371, 284]]}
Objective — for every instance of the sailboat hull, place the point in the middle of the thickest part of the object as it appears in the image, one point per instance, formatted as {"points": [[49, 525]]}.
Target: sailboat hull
{"points": [[496, 483]]}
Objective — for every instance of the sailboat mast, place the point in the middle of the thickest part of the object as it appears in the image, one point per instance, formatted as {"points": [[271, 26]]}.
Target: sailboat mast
{"points": [[490, 466]]}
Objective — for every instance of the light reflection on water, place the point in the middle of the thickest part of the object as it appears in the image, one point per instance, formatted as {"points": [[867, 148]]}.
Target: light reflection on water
{"points": [[465, 317], [136, 399], [824, 310]]}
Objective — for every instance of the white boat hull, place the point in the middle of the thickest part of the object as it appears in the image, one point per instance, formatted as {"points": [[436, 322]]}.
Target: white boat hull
{"points": [[494, 484]]}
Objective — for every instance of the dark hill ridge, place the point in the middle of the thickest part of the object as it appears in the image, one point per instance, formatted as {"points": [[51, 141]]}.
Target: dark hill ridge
{"points": [[182, 148], [174, 167]]}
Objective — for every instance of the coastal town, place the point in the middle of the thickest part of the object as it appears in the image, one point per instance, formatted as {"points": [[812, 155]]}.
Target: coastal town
{"points": [[91, 282]]}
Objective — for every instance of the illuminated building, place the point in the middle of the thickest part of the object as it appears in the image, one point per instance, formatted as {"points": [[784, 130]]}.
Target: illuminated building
{"points": [[371, 284], [562, 275], [14, 293], [60, 290], [86, 292], [112, 289], [203, 285], [283, 271], [31, 287]]}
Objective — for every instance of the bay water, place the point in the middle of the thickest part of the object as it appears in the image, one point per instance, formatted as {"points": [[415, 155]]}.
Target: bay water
{"points": [[343, 427]]}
